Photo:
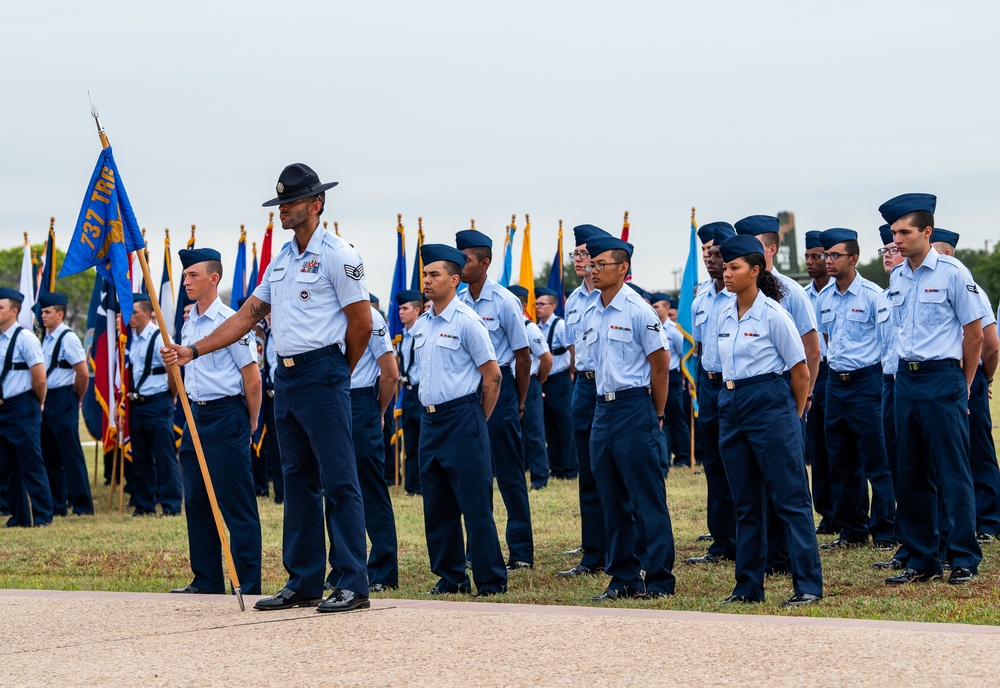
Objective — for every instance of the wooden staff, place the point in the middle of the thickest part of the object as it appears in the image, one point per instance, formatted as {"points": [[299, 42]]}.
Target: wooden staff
{"points": [[179, 382]]}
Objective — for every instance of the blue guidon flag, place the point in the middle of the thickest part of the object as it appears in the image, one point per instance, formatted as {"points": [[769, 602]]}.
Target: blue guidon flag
{"points": [[106, 232]]}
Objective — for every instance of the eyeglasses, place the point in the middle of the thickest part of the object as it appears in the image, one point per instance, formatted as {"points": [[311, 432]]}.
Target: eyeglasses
{"points": [[597, 267], [892, 250], [835, 256], [582, 255]]}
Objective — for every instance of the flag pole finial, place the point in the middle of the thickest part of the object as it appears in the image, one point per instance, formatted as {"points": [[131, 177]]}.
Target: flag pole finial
{"points": [[192, 230], [472, 223], [420, 223], [513, 218], [25, 238], [243, 233], [253, 246], [626, 216], [560, 224], [336, 228], [692, 212], [270, 216], [143, 230], [399, 217], [52, 223], [166, 232]]}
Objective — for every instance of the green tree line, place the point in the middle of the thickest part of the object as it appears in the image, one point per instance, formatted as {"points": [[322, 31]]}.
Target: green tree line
{"points": [[77, 287]]}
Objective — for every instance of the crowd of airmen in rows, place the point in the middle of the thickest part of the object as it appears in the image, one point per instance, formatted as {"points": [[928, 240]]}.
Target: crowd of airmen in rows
{"points": [[879, 387]]}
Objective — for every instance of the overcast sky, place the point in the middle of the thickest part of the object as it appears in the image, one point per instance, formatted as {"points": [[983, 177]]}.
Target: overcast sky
{"points": [[455, 110]]}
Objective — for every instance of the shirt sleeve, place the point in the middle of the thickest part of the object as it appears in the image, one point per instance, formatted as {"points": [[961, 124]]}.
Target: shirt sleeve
{"points": [[347, 274], [72, 349], [968, 303], [513, 322], [801, 309], [31, 348], [786, 338], [536, 341], [989, 318], [477, 340], [263, 290], [380, 343], [244, 350], [646, 328]]}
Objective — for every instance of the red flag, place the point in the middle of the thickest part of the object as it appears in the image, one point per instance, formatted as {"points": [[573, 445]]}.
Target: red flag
{"points": [[265, 249]]}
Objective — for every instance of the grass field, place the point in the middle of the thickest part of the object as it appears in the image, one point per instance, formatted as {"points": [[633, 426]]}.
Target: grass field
{"points": [[119, 553]]}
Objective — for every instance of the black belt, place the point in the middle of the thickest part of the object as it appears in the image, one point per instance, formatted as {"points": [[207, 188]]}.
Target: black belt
{"points": [[17, 397], [713, 376], [556, 376], [365, 391], [747, 381], [888, 378], [859, 374], [218, 402], [299, 359], [445, 405], [139, 399], [586, 374], [64, 388], [623, 394], [918, 366]]}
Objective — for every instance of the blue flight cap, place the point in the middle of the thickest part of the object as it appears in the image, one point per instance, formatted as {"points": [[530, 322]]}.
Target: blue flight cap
{"points": [[886, 233], [599, 244], [8, 293], [431, 253], [584, 233], [472, 238], [710, 231], [895, 208], [945, 235], [673, 303], [757, 224], [192, 256], [658, 296], [832, 237], [372, 298], [517, 290], [706, 233], [408, 296], [545, 291], [136, 298], [813, 240], [739, 246], [638, 290], [52, 299]]}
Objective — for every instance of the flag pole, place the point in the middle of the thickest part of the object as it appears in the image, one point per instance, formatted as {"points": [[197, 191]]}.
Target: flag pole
{"points": [[179, 382], [690, 388]]}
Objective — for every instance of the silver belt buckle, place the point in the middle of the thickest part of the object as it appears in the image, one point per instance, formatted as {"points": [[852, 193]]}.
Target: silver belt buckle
{"points": [[288, 362], [270, 394], [610, 396], [730, 384], [430, 409], [201, 403], [845, 377], [913, 365]]}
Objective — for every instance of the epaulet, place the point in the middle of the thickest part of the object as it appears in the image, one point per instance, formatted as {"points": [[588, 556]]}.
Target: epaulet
{"points": [[332, 240], [868, 284], [952, 260], [897, 267], [285, 245], [828, 286]]}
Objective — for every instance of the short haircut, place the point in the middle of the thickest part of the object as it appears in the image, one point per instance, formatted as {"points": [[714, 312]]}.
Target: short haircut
{"points": [[14, 304], [538, 299], [852, 247], [321, 196], [145, 306], [620, 255], [481, 253], [920, 219], [452, 268], [213, 266], [59, 308], [768, 239]]}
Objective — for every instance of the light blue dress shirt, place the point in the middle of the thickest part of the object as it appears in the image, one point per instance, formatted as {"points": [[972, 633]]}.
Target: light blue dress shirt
{"points": [[149, 337], [619, 338], [578, 308], [706, 307], [71, 351], [272, 358], [536, 345], [307, 293], [27, 349], [814, 300], [931, 305], [764, 340], [849, 321], [673, 341], [367, 370], [215, 375], [450, 347], [795, 301], [559, 340], [407, 352], [989, 318], [503, 316], [886, 331]]}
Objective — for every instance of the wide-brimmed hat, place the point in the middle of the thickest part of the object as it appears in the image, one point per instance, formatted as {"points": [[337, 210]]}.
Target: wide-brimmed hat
{"points": [[297, 181]]}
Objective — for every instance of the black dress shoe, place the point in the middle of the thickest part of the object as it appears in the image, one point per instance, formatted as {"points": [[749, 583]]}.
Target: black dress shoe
{"points": [[580, 570], [884, 545], [438, 591], [286, 599], [515, 565], [657, 595], [740, 599], [707, 558], [912, 576], [488, 593], [893, 564], [139, 512], [381, 587], [960, 575], [706, 537], [188, 590], [573, 552], [610, 595], [801, 600], [985, 538], [343, 601], [843, 543], [825, 530]]}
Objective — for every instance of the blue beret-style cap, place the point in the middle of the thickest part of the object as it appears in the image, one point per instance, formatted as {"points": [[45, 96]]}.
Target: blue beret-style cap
{"points": [[886, 233], [192, 256], [584, 233], [659, 296], [136, 298], [757, 224], [52, 299], [372, 298], [706, 233], [895, 208], [710, 232], [638, 290], [8, 293], [431, 253], [832, 237], [471, 238], [945, 235], [813, 240], [517, 290], [545, 291], [599, 244], [408, 296], [739, 246]]}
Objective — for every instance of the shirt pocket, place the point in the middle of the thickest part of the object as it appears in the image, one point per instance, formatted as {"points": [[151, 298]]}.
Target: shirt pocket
{"points": [[447, 352], [619, 344], [305, 284], [932, 307], [858, 322]]}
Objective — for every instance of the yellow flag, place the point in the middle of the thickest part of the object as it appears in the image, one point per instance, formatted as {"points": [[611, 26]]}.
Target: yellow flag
{"points": [[527, 277]]}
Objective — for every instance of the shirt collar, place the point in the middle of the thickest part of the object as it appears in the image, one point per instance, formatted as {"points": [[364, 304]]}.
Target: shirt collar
{"points": [[930, 262], [755, 311], [315, 242], [9, 330], [210, 312], [449, 311], [56, 332], [486, 293], [618, 303]]}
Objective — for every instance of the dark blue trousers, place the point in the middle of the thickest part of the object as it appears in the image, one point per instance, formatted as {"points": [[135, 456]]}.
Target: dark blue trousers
{"points": [[889, 433], [508, 466], [312, 408], [932, 447], [677, 420], [156, 476], [271, 451], [536, 457], [856, 447], [761, 444], [816, 446], [624, 455], [558, 402], [592, 538], [380, 523], [457, 482], [721, 508], [224, 430], [410, 420], [983, 457], [64, 461], [22, 470]]}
